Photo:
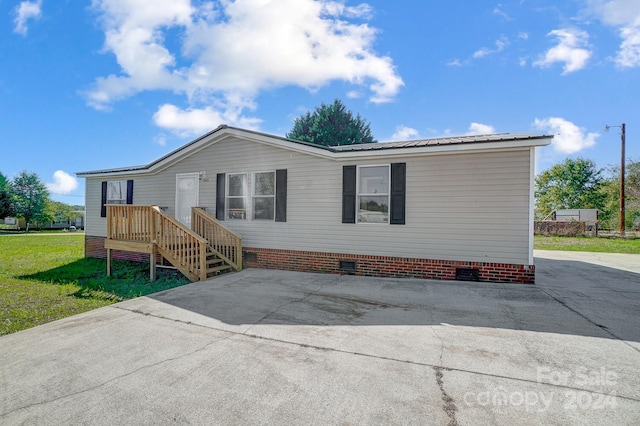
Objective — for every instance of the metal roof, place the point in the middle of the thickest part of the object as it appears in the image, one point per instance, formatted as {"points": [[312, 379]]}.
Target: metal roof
{"points": [[454, 140], [419, 145]]}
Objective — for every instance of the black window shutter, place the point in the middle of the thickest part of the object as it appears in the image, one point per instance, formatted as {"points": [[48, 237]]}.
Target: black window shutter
{"points": [[130, 191], [220, 187], [398, 193], [281, 195], [103, 206], [349, 194]]}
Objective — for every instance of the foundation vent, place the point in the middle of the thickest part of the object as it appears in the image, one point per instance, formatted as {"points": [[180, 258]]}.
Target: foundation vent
{"points": [[348, 266], [467, 274]]}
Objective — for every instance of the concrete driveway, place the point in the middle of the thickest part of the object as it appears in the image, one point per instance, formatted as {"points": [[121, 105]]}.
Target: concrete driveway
{"points": [[273, 347]]}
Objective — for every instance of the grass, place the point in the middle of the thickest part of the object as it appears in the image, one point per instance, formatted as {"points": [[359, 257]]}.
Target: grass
{"points": [[46, 277], [600, 245]]}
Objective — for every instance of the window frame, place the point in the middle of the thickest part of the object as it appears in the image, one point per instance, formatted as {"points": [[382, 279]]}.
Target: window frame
{"points": [[123, 185], [361, 194], [229, 197], [254, 196]]}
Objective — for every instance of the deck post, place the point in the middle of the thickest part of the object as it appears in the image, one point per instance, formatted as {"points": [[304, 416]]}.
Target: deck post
{"points": [[152, 262], [203, 261], [109, 260]]}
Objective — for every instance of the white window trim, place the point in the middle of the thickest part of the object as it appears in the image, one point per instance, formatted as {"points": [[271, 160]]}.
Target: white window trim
{"points": [[253, 195], [123, 185], [246, 196], [358, 194]]}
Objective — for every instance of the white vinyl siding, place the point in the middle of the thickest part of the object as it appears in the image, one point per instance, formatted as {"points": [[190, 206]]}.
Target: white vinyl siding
{"points": [[467, 206]]}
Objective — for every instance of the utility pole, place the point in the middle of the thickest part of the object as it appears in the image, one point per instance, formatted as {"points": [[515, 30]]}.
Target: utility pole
{"points": [[622, 163]]}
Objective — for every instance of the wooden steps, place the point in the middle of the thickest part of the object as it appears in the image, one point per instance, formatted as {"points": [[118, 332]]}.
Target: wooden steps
{"points": [[205, 251], [216, 266]]}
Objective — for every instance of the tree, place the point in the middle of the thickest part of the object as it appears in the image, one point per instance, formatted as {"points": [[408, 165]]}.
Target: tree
{"points": [[6, 208], [30, 197], [631, 192], [331, 125], [60, 212], [573, 184]]}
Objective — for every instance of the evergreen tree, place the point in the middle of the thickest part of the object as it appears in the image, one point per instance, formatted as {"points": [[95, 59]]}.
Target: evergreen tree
{"points": [[331, 125]]}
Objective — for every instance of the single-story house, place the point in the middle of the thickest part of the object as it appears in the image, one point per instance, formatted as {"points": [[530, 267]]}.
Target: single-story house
{"points": [[443, 208]]}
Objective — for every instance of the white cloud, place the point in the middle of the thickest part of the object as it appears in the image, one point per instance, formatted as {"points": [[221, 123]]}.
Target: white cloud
{"points": [[501, 13], [569, 138], [500, 45], [25, 11], [629, 53], [354, 94], [480, 129], [230, 51], [195, 121], [571, 50], [624, 15], [404, 133], [160, 140], [63, 183]]}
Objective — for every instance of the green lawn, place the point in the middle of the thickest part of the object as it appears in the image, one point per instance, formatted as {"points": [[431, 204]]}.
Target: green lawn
{"points": [[46, 277], [602, 245]]}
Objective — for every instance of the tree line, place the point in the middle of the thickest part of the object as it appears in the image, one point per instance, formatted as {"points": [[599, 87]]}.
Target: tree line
{"points": [[26, 197], [579, 184]]}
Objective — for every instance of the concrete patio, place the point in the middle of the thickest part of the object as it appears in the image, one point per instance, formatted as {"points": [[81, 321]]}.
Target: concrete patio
{"points": [[274, 347]]}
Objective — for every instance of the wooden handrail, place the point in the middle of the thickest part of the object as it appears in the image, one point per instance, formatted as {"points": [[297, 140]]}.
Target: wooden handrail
{"points": [[129, 222], [221, 240], [184, 248]]}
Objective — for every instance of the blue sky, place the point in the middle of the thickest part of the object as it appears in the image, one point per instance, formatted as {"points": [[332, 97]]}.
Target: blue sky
{"points": [[87, 85]]}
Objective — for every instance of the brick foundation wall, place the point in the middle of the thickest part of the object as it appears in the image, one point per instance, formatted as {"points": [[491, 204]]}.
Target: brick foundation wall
{"points": [[366, 265], [384, 266]]}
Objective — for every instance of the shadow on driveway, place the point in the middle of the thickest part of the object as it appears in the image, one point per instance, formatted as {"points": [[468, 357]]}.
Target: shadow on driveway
{"points": [[572, 298]]}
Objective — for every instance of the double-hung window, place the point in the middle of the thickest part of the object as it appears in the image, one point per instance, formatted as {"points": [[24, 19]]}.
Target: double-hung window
{"points": [[373, 194], [116, 192], [236, 196], [252, 196], [264, 195]]}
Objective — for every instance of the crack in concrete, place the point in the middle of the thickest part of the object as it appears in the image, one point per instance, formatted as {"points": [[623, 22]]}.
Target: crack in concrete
{"points": [[448, 403], [433, 329], [600, 326], [385, 358]]}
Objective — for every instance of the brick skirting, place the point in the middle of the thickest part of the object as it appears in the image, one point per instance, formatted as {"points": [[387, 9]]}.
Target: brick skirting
{"points": [[383, 266], [365, 265]]}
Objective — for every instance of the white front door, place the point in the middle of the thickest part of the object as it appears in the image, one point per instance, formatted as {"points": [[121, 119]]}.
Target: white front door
{"points": [[187, 190]]}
